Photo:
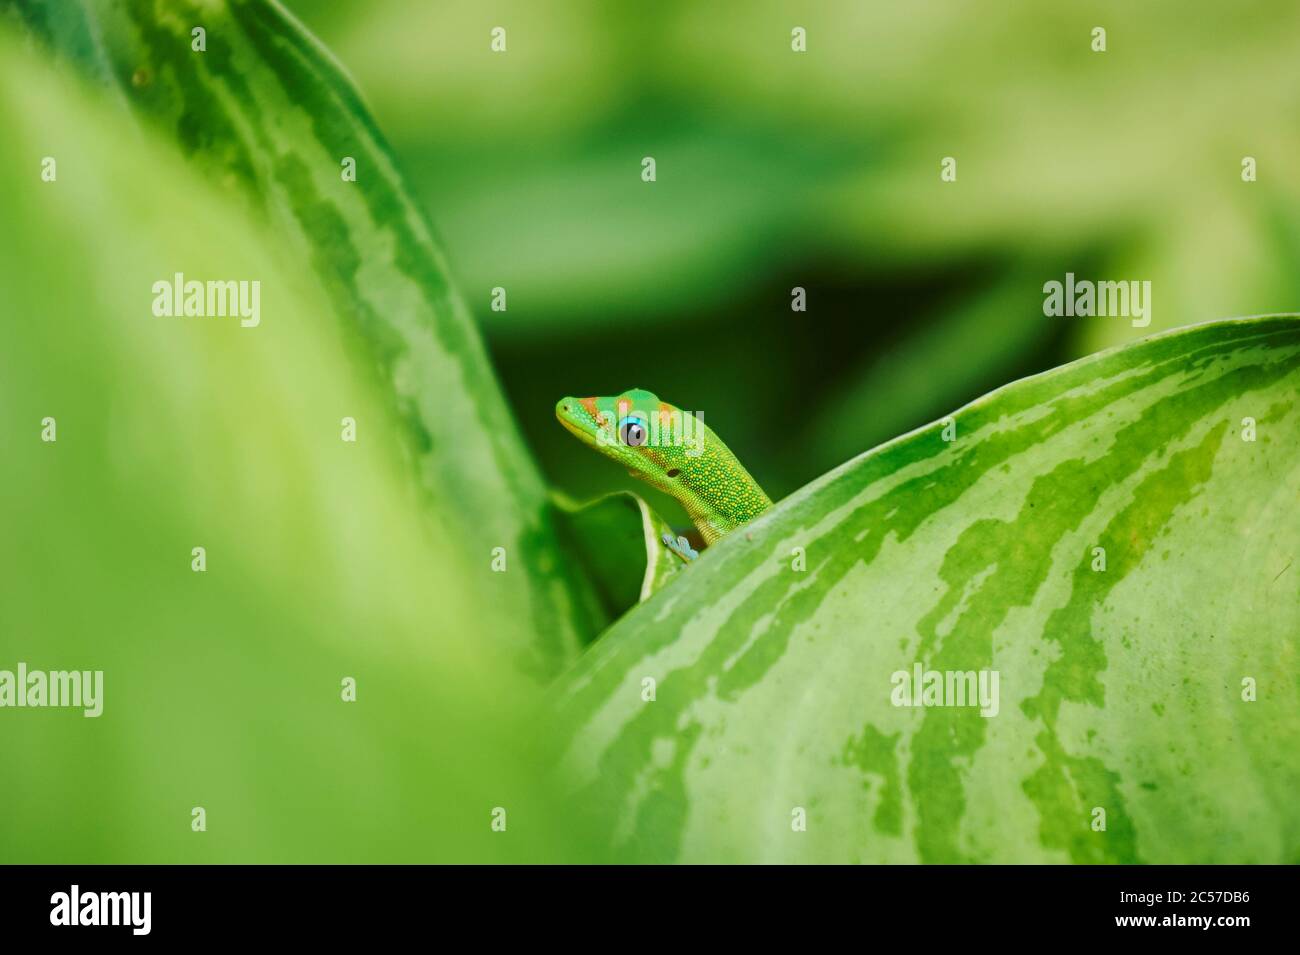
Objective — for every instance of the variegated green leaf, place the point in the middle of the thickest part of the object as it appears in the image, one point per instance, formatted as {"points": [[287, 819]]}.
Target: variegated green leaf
{"points": [[264, 109], [224, 685], [617, 541], [1148, 705]]}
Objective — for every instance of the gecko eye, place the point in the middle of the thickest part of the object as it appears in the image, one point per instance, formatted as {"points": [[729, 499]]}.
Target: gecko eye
{"points": [[632, 432]]}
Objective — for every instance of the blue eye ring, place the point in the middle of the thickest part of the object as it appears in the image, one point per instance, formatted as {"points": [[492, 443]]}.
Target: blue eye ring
{"points": [[632, 432]]}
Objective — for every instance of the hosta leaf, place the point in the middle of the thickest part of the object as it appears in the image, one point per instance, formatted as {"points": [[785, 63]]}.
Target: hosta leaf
{"points": [[1123, 691], [266, 112]]}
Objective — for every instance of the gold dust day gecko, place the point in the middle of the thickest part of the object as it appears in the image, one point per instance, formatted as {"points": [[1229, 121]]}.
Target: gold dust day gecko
{"points": [[673, 451]]}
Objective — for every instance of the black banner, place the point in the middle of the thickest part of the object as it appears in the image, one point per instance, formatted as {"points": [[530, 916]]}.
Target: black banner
{"points": [[188, 903]]}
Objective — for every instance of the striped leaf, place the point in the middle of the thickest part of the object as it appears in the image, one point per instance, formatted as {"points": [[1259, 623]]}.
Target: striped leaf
{"points": [[1107, 538], [264, 109], [618, 538], [224, 688]]}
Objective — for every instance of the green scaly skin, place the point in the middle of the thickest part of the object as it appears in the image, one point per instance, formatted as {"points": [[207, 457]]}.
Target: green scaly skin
{"points": [[686, 460]]}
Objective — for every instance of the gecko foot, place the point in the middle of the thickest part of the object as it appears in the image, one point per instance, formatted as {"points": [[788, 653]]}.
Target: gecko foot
{"points": [[681, 547]]}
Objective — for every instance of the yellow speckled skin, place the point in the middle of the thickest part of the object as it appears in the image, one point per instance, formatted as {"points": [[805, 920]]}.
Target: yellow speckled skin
{"points": [[681, 456]]}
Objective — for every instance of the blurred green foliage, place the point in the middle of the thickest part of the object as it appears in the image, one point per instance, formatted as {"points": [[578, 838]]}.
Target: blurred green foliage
{"points": [[222, 689], [821, 170], [775, 170], [254, 101]]}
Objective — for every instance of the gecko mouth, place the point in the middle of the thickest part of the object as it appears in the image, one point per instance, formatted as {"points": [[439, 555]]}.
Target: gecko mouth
{"points": [[582, 434]]}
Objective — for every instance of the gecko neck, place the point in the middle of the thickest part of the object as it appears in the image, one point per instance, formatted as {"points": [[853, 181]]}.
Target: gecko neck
{"points": [[717, 492]]}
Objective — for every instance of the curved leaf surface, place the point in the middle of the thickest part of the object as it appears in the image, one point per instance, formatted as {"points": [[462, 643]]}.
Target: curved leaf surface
{"points": [[225, 686], [265, 110], [1115, 539]]}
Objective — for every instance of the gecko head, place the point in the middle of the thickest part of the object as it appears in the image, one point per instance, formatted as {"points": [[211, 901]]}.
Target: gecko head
{"points": [[626, 428]]}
